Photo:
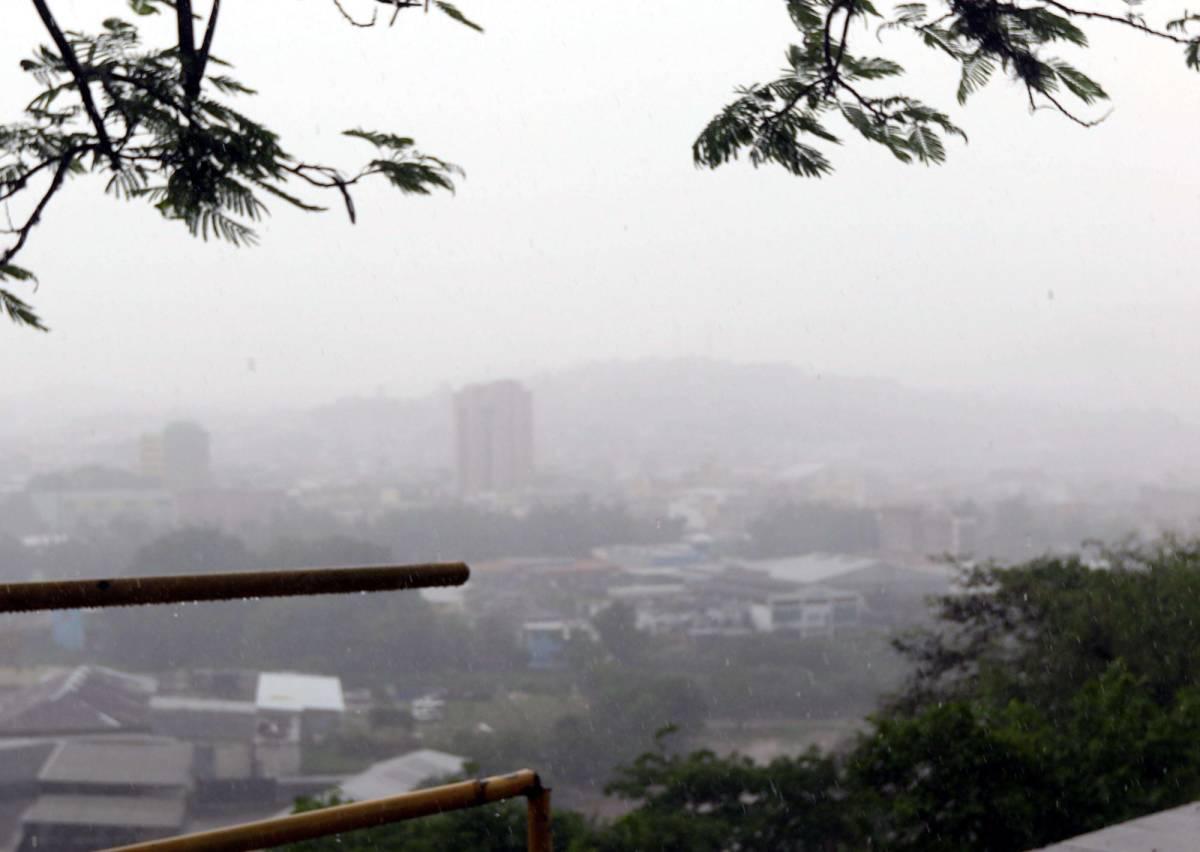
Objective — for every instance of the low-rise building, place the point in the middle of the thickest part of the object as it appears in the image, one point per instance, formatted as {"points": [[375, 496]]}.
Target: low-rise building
{"points": [[225, 766], [402, 774], [106, 791], [84, 700], [66, 823], [293, 709]]}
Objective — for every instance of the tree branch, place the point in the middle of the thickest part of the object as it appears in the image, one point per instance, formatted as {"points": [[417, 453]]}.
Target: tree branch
{"points": [[64, 165], [353, 22], [81, 81], [18, 184], [187, 50], [1058, 106], [1117, 19], [210, 30], [335, 180]]}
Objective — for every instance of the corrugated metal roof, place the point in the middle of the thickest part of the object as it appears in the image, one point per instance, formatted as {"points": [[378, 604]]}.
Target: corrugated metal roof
{"points": [[87, 699], [402, 774], [139, 811], [203, 718], [22, 760], [210, 705], [292, 692], [144, 762], [1176, 830]]}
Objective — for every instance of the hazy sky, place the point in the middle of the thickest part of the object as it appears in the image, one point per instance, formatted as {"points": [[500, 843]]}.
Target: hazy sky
{"points": [[1041, 259]]}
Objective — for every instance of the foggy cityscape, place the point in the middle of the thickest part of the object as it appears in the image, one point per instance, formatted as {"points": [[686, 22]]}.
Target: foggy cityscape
{"points": [[761, 512]]}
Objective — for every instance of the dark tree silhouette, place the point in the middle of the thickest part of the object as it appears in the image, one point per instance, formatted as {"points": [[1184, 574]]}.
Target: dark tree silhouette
{"points": [[775, 122], [158, 124]]}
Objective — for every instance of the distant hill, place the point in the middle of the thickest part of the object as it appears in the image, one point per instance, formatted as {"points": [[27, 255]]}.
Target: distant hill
{"points": [[659, 415]]}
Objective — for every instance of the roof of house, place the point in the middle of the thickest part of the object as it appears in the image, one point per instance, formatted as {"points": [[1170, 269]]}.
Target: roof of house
{"points": [[810, 568], [84, 700], [22, 760], [140, 811], [203, 718], [401, 774], [201, 705], [293, 692], [817, 593], [853, 572], [136, 762], [1175, 830]]}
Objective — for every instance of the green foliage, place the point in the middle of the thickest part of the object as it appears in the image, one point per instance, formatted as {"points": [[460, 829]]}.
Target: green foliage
{"points": [[1056, 699], [775, 122], [704, 802], [385, 635], [160, 128], [17, 309], [489, 828], [1041, 631], [452, 11]]}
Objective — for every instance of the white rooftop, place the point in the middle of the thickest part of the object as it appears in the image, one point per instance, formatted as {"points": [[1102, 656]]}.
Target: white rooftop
{"points": [[1176, 830], [401, 774], [811, 568], [200, 705], [291, 692]]}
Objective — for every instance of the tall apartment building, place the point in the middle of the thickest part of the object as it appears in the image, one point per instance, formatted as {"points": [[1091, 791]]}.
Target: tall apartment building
{"points": [[178, 456], [494, 437]]}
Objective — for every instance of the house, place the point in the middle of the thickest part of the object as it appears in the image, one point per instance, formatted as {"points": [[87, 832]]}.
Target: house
{"points": [[107, 791], [316, 699], [85, 700], [96, 497], [428, 708], [118, 765], [402, 774], [20, 763], [545, 641], [293, 709], [66, 823], [1173, 830], [740, 598], [813, 610], [225, 765]]}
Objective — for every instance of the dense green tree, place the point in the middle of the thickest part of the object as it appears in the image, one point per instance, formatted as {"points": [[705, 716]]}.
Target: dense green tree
{"points": [[1040, 631], [490, 828], [162, 638], [192, 550], [702, 802], [383, 635], [1050, 699]]}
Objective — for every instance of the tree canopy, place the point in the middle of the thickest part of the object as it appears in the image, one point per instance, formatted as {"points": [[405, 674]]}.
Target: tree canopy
{"points": [[159, 125], [824, 77]]}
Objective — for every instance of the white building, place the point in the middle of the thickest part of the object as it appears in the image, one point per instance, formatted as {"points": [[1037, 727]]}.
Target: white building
{"points": [[294, 709]]}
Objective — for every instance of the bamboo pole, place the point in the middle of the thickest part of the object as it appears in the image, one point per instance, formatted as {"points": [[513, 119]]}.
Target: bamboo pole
{"points": [[342, 818], [537, 833], [186, 588]]}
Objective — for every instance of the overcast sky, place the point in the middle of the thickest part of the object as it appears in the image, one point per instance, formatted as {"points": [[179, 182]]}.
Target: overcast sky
{"points": [[1041, 260]]}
